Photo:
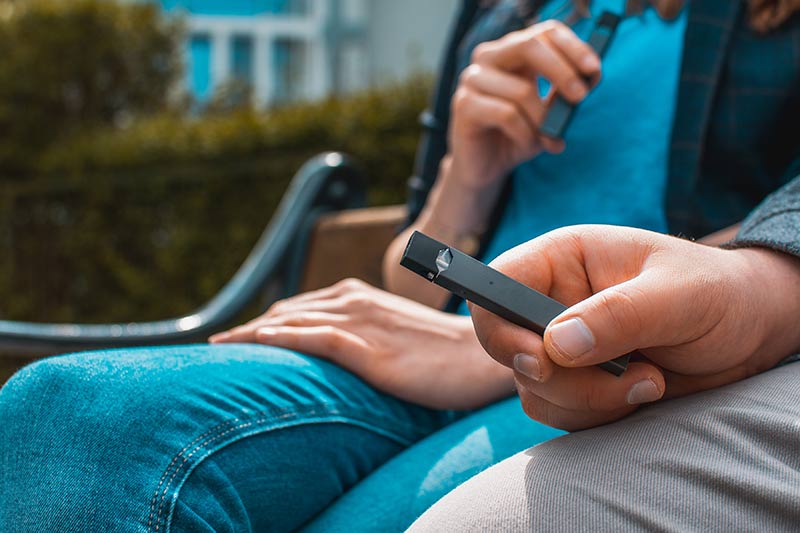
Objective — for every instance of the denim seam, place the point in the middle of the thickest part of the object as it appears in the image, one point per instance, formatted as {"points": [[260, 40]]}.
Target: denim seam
{"points": [[175, 458], [259, 422], [210, 445], [260, 414]]}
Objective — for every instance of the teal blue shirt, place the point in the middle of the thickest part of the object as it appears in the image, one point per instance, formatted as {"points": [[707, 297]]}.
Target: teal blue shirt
{"points": [[614, 169]]}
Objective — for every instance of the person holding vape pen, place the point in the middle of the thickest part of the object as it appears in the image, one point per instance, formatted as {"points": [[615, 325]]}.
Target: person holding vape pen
{"points": [[681, 129], [717, 329]]}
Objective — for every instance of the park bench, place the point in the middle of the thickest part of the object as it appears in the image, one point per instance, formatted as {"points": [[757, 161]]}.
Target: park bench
{"points": [[320, 233]]}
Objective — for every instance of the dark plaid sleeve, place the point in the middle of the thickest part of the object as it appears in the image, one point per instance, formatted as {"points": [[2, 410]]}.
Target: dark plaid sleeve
{"points": [[775, 223]]}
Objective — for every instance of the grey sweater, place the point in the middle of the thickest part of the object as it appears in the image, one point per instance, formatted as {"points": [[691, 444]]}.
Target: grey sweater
{"points": [[775, 223]]}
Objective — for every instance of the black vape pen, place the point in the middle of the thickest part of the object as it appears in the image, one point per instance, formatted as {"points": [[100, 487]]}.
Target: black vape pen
{"points": [[486, 287]]}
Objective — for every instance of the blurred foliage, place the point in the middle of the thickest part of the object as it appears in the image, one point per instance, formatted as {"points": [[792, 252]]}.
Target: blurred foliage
{"points": [[149, 221], [73, 65], [115, 205], [378, 126]]}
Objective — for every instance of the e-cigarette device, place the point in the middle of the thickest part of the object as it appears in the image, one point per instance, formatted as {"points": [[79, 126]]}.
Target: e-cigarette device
{"points": [[560, 112], [486, 287]]}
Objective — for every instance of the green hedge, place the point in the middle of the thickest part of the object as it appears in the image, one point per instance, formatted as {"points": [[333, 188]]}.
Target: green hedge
{"points": [[70, 65], [150, 221]]}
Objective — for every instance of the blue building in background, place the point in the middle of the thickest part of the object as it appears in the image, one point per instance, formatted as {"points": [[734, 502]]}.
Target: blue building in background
{"points": [[269, 45], [233, 7], [286, 50]]}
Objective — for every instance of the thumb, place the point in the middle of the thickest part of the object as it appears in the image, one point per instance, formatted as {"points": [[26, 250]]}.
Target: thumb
{"points": [[639, 313]]}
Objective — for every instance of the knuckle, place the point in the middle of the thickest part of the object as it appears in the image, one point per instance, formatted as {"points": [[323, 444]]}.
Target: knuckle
{"points": [[294, 319], [277, 308], [333, 339], [349, 284], [462, 100], [288, 336], [526, 93], [537, 409], [470, 74], [239, 330], [552, 417], [569, 80], [482, 52], [530, 404], [507, 114], [621, 310], [558, 28], [358, 301], [548, 25], [593, 399], [496, 345], [490, 343], [356, 282], [534, 44]]}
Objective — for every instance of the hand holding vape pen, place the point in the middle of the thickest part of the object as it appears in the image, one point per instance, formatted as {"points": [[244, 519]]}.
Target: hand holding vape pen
{"points": [[561, 111], [486, 287]]}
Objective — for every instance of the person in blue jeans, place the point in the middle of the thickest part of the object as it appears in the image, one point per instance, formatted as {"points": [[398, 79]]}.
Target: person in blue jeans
{"points": [[357, 408]]}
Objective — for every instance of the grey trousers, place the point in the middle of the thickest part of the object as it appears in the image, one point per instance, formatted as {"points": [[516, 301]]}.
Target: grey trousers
{"points": [[722, 460]]}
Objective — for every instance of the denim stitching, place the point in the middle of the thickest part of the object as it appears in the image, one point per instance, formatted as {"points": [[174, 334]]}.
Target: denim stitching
{"points": [[176, 457], [222, 429], [330, 417], [199, 447]]}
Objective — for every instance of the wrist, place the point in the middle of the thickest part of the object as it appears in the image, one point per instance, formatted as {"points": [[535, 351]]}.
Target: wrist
{"points": [[487, 373], [466, 179], [471, 174], [457, 212], [464, 238], [772, 280]]}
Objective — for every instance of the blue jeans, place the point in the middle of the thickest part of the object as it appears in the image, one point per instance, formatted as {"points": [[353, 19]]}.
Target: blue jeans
{"points": [[230, 438]]}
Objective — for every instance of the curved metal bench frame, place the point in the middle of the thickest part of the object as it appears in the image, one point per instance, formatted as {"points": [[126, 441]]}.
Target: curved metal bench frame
{"points": [[328, 182]]}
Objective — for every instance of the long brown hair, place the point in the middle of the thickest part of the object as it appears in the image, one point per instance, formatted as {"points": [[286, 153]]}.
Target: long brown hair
{"points": [[764, 15]]}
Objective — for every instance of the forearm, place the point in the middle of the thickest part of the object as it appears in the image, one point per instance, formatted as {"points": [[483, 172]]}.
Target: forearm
{"points": [[781, 280], [777, 338], [774, 306], [452, 214], [487, 380], [770, 237]]}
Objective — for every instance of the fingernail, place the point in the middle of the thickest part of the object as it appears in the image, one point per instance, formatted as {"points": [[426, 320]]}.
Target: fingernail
{"points": [[217, 337], [643, 392], [266, 331], [590, 62], [572, 338], [527, 365], [577, 89]]}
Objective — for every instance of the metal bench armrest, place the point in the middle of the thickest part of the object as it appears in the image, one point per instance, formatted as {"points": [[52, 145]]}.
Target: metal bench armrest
{"points": [[327, 182]]}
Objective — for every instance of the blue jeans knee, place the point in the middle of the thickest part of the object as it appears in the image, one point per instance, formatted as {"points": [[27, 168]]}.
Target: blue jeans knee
{"points": [[106, 440]]}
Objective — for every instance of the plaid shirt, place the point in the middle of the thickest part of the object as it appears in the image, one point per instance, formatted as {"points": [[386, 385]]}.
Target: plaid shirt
{"points": [[736, 134]]}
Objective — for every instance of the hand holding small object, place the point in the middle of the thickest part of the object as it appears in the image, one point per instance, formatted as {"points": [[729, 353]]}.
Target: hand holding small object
{"points": [[701, 316]]}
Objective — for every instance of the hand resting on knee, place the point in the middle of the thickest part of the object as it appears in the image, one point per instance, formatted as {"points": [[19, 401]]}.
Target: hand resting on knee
{"points": [[395, 344]]}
